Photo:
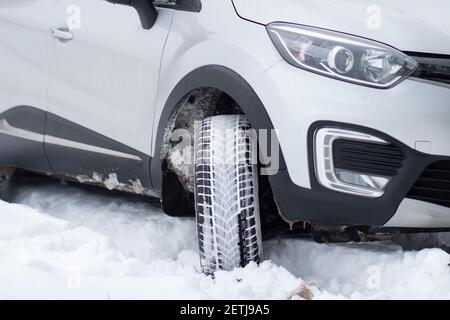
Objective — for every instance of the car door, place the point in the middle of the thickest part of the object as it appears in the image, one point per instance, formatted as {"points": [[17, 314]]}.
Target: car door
{"points": [[102, 89], [24, 71]]}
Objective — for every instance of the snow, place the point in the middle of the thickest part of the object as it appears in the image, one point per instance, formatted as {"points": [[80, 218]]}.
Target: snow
{"points": [[61, 241]]}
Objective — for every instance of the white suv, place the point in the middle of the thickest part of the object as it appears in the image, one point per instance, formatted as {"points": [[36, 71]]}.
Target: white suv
{"points": [[350, 101]]}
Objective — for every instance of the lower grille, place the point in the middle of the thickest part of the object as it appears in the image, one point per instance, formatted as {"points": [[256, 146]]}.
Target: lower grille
{"points": [[370, 158], [433, 185]]}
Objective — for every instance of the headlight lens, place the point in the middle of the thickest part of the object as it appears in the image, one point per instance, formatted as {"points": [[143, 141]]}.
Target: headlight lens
{"points": [[341, 56]]}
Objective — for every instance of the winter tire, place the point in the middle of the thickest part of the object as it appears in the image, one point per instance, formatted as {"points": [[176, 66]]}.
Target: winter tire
{"points": [[226, 194]]}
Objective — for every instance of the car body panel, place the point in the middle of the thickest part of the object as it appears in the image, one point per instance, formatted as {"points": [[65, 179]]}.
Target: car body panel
{"points": [[219, 32], [106, 79], [412, 111], [24, 45], [421, 26]]}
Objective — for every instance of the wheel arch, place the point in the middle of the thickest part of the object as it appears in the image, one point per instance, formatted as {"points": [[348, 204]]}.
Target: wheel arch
{"points": [[216, 77]]}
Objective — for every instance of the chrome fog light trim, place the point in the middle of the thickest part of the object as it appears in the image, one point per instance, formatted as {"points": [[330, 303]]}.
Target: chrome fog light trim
{"points": [[354, 183]]}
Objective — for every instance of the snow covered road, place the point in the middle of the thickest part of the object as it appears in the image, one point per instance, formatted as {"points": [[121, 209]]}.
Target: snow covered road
{"points": [[63, 241]]}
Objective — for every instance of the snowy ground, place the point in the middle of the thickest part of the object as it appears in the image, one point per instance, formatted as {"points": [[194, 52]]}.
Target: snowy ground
{"points": [[62, 241]]}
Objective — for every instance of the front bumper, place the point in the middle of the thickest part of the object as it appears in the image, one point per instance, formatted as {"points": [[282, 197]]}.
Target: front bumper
{"points": [[412, 114], [397, 207]]}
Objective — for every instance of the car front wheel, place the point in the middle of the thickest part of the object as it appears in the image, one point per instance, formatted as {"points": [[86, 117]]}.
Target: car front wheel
{"points": [[226, 194]]}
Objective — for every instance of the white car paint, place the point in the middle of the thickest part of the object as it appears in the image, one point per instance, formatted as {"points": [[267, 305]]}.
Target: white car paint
{"points": [[194, 34], [24, 52], [106, 79], [421, 26]]}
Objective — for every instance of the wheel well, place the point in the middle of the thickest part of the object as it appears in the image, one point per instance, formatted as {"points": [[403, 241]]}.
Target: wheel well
{"points": [[215, 83], [177, 176], [177, 153], [207, 91]]}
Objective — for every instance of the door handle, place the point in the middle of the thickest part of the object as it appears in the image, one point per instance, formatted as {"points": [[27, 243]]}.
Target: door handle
{"points": [[63, 34]]}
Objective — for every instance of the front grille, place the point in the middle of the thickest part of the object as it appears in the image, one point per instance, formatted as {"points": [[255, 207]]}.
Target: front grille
{"points": [[433, 185], [432, 67], [370, 158]]}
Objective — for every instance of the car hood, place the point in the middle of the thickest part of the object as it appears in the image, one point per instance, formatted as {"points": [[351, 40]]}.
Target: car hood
{"points": [[419, 26]]}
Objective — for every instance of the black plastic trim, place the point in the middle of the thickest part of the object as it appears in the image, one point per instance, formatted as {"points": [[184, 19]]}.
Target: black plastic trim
{"points": [[322, 205], [75, 162], [145, 9], [433, 186], [432, 67], [24, 153], [427, 55], [28, 152], [367, 157]]}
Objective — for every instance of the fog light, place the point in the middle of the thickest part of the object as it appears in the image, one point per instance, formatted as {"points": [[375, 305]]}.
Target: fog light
{"points": [[356, 183], [362, 180]]}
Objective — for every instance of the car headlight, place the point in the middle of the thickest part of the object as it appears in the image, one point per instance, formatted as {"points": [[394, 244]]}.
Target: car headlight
{"points": [[341, 56]]}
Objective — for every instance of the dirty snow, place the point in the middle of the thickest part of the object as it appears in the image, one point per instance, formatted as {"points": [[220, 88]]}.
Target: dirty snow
{"points": [[66, 242]]}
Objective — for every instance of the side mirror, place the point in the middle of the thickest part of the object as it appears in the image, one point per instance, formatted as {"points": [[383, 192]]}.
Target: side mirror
{"points": [[145, 8]]}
